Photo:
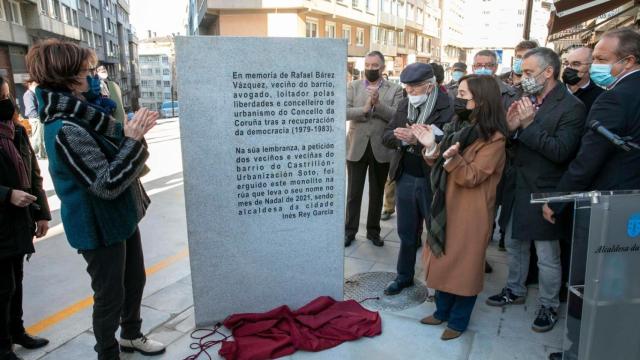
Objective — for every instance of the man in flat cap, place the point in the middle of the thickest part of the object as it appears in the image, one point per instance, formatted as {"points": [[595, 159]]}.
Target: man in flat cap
{"points": [[424, 104], [371, 103]]}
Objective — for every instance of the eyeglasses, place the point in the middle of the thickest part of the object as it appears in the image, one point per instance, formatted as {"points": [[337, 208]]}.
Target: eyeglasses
{"points": [[574, 64], [488, 65]]}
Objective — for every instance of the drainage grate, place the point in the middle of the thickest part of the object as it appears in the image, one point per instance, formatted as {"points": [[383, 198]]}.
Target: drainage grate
{"points": [[372, 284]]}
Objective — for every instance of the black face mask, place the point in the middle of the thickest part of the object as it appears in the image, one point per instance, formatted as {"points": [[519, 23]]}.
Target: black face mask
{"points": [[460, 108], [372, 75], [7, 109], [570, 76]]}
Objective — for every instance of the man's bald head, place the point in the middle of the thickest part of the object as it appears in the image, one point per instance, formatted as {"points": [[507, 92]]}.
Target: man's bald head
{"points": [[581, 54]]}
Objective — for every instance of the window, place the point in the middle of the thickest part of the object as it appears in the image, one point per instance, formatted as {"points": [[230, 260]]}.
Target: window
{"points": [[87, 8], [312, 28], [369, 5], [346, 33], [74, 18], [391, 37], [2, 15], [167, 95], [165, 60], [98, 40], [355, 4], [158, 82], [360, 37], [330, 29], [95, 12], [13, 13], [56, 10], [166, 72], [401, 38], [66, 15]]}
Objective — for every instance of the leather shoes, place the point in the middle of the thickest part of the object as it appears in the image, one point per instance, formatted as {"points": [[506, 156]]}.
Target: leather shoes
{"points": [[396, 287], [9, 356], [29, 341], [555, 356], [431, 320], [385, 215], [348, 240], [375, 239], [450, 334]]}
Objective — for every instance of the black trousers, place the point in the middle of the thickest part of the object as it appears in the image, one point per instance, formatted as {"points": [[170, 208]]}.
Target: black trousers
{"points": [[413, 205], [356, 174], [117, 279], [11, 274]]}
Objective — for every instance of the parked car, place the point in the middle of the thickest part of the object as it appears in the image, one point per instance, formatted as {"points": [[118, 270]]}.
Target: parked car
{"points": [[169, 109]]}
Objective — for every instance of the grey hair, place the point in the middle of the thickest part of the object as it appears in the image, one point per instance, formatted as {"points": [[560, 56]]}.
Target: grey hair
{"points": [[628, 42], [546, 57]]}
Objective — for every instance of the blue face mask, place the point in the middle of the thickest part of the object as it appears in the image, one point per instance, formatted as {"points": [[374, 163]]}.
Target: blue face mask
{"points": [[517, 66], [601, 74], [457, 75], [483, 71], [94, 88]]}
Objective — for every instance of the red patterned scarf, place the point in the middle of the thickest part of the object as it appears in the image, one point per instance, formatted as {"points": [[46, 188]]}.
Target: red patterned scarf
{"points": [[7, 134]]}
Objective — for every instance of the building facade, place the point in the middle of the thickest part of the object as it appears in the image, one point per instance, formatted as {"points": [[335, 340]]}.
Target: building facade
{"points": [[102, 25], [405, 31], [156, 57]]}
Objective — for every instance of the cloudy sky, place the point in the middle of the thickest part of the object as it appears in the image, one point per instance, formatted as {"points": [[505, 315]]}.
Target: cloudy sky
{"points": [[162, 16]]}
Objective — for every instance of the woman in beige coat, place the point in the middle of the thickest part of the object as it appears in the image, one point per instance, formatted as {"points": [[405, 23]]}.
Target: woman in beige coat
{"points": [[467, 166]]}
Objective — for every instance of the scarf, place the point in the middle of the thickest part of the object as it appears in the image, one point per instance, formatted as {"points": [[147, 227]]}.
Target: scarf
{"points": [[420, 114], [465, 134], [59, 105], [7, 134]]}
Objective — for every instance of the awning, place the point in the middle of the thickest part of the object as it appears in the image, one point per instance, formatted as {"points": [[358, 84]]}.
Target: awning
{"points": [[569, 13]]}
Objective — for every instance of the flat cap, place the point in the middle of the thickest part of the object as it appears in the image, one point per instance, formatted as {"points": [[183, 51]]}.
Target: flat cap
{"points": [[416, 72], [460, 66]]}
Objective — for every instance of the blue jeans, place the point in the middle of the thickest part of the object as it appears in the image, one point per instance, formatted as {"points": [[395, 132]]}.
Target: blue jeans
{"points": [[413, 202], [454, 309]]}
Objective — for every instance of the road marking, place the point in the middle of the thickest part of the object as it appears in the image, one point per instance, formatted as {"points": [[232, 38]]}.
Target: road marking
{"points": [[88, 301]]}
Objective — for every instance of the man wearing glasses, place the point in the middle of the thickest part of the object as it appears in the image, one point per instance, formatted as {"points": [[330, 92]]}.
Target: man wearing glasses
{"points": [[485, 62], [424, 104], [576, 76]]}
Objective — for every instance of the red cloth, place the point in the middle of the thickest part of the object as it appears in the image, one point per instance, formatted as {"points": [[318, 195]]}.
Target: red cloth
{"points": [[319, 325]]}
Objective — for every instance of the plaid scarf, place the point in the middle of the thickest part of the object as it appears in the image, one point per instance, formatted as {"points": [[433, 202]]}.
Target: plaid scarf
{"points": [[465, 134], [7, 134], [420, 114]]}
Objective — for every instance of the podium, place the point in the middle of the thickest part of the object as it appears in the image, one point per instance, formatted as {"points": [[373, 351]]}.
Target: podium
{"points": [[603, 306]]}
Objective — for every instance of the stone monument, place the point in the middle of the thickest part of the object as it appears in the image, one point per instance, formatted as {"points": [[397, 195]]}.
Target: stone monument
{"points": [[262, 125]]}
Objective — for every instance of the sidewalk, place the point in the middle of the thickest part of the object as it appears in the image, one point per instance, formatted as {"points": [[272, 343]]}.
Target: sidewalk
{"points": [[494, 333]]}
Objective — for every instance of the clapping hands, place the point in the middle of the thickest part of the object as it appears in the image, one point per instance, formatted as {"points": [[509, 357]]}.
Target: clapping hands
{"points": [[520, 114]]}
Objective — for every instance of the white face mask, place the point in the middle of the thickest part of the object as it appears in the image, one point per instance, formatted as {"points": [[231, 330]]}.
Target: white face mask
{"points": [[417, 100]]}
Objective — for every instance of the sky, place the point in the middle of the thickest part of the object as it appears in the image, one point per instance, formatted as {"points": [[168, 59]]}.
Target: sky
{"points": [[162, 16]]}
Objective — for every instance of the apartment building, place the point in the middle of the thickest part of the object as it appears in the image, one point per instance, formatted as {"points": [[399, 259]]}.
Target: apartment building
{"points": [[157, 72]]}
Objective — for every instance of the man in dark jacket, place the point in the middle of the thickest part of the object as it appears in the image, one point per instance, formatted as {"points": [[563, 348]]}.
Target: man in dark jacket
{"points": [[599, 164], [576, 76], [424, 104], [547, 128], [23, 213]]}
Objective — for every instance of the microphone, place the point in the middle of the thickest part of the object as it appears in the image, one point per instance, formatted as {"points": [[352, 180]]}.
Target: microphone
{"points": [[613, 138]]}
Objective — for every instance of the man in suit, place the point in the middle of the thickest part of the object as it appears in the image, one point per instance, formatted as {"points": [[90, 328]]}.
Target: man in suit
{"points": [[425, 104], [599, 164], [371, 103], [576, 76], [547, 126]]}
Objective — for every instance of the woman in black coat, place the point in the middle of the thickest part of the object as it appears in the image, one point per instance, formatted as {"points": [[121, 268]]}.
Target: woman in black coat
{"points": [[24, 213]]}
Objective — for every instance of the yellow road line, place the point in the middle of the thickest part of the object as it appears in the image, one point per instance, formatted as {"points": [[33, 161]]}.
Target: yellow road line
{"points": [[88, 301]]}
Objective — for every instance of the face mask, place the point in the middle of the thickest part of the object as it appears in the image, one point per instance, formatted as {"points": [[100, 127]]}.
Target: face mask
{"points": [[94, 88], [517, 66], [372, 75], [531, 86], [460, 108], [570, 76], [457, 75], [7, 109], [483, 71], [417, 100]]}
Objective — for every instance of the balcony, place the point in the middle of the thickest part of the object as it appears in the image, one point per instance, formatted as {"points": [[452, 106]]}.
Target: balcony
{"points": [[410, 24], [387, 50], [391, 20], [13, 33], [44, 26]]}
